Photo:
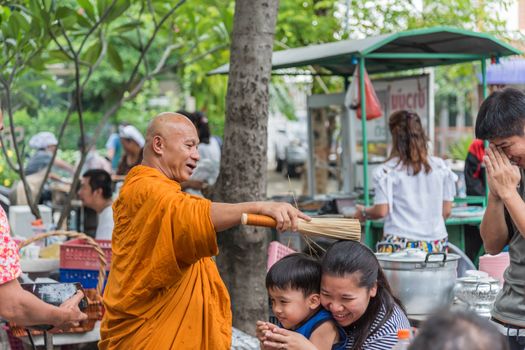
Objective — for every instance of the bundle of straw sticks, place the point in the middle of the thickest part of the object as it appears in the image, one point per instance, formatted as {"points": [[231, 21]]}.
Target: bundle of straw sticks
{"points": [[335, 228]]}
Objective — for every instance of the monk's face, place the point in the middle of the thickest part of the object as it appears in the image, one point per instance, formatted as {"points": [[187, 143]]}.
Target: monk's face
{"points": [[181, 155]]}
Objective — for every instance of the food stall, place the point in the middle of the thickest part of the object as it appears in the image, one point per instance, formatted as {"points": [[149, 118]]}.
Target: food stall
{"points": [[387, 53]]}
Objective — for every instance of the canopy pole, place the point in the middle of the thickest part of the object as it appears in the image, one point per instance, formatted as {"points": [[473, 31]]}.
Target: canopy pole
{"points": [[486, 142], [368, 238]]}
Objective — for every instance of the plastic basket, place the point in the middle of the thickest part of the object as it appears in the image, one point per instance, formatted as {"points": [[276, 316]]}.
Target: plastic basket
{"points": [[277, 251], [14, 342], [77, 254], [87, 278], [95, 308]]}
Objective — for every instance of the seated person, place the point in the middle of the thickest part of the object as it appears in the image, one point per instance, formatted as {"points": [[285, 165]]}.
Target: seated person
{"points": [[45, 144], [95, 192], [293, 285], [93, 159], [458, 331]]}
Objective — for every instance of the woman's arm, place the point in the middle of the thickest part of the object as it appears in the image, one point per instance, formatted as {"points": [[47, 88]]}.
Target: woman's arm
{"points": [[447, 209], [325, 336], [378, 211], [64, 165], [26, 309]]}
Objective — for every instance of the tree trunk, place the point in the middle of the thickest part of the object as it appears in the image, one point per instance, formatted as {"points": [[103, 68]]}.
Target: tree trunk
{"points": [[242, 259]]}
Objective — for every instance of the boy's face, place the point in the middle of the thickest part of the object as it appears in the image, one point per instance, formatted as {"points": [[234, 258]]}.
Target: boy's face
{"points": [[291, 307], [513, 147]]}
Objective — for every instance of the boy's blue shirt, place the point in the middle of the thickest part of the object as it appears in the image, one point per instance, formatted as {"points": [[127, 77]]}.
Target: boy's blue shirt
{"points": [[320, 317]]}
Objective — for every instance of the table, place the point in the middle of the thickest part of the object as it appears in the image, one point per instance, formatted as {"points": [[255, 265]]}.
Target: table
{"points": [[68, 338]]}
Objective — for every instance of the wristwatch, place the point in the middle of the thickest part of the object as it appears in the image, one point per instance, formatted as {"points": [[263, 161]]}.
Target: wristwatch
{"points": [[363, 213]]}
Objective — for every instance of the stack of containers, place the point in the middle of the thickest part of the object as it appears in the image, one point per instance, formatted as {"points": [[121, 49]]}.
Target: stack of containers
{"points": [[277, 251], [494, 265], [79, 262]]}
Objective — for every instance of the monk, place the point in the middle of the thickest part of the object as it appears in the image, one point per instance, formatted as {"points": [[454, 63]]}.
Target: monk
{"points": [[164, 290]]}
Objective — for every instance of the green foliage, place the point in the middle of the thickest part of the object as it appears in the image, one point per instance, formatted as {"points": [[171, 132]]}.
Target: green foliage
{"points": [[459, 149], [198, 35], [7, 175]]}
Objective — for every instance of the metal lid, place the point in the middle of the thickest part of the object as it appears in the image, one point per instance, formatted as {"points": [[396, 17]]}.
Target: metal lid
{"points": [[417, 255], [476, 279]]}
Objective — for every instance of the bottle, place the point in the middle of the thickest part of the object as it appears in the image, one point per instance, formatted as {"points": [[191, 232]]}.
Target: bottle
{"points": [[38, 228], [403, 339]]}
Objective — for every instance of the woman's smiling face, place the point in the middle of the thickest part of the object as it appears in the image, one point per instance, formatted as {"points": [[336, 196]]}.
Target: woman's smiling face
{"points": [[344, 298]]}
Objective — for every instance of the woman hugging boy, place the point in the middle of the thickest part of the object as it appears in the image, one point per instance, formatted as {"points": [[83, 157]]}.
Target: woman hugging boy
{"points": [[293, 285]]}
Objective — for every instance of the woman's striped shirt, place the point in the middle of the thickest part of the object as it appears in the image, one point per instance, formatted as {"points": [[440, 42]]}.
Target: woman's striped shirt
{"points": [[385, 337]]}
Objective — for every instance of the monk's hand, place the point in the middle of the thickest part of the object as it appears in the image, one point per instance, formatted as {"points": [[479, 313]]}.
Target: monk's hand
{"points": [[281, 339], [503, 177], [71, 312], [285, 214]]}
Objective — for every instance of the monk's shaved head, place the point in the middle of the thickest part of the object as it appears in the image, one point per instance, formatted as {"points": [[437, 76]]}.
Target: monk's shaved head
{"points": [[172, 146], [166, 123]]}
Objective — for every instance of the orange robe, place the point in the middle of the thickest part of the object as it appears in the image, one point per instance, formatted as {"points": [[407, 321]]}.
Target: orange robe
{"points": [[164, 290]]}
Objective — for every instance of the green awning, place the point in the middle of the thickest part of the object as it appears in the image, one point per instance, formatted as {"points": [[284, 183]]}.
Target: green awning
{"points": [[394, 52]]}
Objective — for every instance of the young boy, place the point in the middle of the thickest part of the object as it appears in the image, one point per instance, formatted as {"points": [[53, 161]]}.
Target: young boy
{"points": [[293, 285]]}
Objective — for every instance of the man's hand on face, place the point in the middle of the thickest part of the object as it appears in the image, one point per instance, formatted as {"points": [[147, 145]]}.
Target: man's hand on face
{"points": [[502, 176]]}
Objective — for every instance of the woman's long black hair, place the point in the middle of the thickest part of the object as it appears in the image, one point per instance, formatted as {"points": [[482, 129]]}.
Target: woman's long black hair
{"points": [[347, 257]]}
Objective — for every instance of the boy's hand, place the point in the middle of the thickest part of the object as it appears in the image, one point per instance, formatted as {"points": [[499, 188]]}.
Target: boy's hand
{"points": [[281, 339], [260, 329]]}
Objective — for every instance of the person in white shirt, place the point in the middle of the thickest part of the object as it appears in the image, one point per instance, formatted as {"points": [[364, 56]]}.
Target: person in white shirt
{"points": [[93, 159], [96, 193], [208, 167], [413, 190]]}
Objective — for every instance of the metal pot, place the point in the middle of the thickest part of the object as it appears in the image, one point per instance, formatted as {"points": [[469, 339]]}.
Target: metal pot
{"points": [[422, 281], [479, 293]]}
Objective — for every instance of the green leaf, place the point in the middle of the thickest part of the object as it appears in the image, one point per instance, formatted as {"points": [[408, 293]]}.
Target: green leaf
{"points": [[63, 12], [88, 8], [126, 27], [20, 20], [101, 6], [93, 52], [37, 63], [118, 9], [83, 21], [114, 58], [57, 56]]}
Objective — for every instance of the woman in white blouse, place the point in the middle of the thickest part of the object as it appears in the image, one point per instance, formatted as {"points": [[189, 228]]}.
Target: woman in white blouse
{"points": [[413, 190]]}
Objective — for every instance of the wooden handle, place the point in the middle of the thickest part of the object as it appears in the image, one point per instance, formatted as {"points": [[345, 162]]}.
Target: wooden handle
{"points": [[258, 220]]}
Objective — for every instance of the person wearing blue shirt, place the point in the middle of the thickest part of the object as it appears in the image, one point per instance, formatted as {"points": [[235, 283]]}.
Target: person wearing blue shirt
{"points": [[293, 286]]}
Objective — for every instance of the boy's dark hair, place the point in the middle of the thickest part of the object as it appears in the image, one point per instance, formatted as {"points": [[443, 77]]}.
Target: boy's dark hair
{"points": [[458, 330], [501, 115], [99, 178], [296, 271]]}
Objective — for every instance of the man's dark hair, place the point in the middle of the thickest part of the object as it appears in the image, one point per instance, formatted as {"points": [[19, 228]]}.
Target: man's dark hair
{"points": [[99, 178], [458, 330], [297, 271], [501, 115]]}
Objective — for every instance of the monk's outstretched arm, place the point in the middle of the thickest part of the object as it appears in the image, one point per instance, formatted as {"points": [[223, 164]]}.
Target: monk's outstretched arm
{"points": [[225, 215]]}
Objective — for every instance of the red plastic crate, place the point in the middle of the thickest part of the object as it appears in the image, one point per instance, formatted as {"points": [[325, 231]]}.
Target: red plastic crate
{"points": [[76, 254]]}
